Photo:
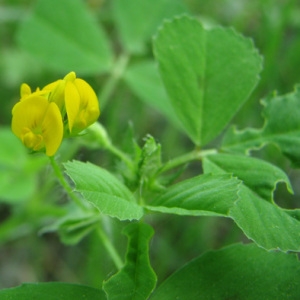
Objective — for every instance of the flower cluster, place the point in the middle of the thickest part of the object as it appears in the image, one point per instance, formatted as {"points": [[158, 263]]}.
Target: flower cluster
{"points": [[41, 119]]}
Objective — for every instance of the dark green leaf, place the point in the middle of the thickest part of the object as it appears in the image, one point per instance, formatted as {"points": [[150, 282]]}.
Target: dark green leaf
{"points": [[235, 272], [52, 291], [204, 195], [65, 36], [282, 127], [136, 280], [208, 74], [104, 191]]}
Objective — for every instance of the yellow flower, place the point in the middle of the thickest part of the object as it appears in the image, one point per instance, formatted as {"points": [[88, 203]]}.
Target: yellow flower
{"points": [[41, 118], [76, 100], [25, 92], [37, 122]]}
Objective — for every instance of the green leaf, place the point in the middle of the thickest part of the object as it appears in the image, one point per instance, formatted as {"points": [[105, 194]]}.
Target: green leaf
{"points": [[73, 226], [144, 80], [150, 160], [208, 74], [204, 195], [18, 170], [103, 190], [72, 232], [259, 176], [235, 272], [137, 21], [282, 127], [266, 224], [136, 280], [130, 146], [65, 36], [262, 221], [20, 221], [295, 213], [51, 291]]}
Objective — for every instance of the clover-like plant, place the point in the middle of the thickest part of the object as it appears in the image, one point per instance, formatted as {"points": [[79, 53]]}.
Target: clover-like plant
{"points": [[198, 78]]}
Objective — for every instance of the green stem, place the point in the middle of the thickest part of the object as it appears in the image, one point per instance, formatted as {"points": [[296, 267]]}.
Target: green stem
{"points": [[115, 75], [110, 249], [63, 182], [117, 152], [100, 135], [188, 157]]}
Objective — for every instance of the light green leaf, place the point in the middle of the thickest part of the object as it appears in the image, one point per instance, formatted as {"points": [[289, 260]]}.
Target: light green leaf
{"points": [[282, 127], [295, 213], [65, 36], [138, 20], [18, 170], [144, 80], [235, 272], [136, 280], [130, 146], [52, 291], [73, 231], [259, 176], [266, 224], [150, 160], [74, 226], [103, 190], [208, 74], [262, 221], [204, 195]]}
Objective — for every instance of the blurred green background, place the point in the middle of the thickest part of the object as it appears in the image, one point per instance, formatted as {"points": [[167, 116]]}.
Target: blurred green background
{"points": [[30, 197]]}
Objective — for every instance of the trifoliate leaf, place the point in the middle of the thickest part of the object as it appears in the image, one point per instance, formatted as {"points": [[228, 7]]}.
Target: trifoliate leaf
{"points": [[208, 74]]}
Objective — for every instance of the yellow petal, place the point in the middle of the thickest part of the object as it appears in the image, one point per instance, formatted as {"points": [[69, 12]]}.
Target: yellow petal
{"points": [[32, 141], [56, 92], [25, 90], [87, 94], [70, 76], [89, 104], [72, 103], [52, 128], [51, 86], [38, 124], [28, 113]]}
